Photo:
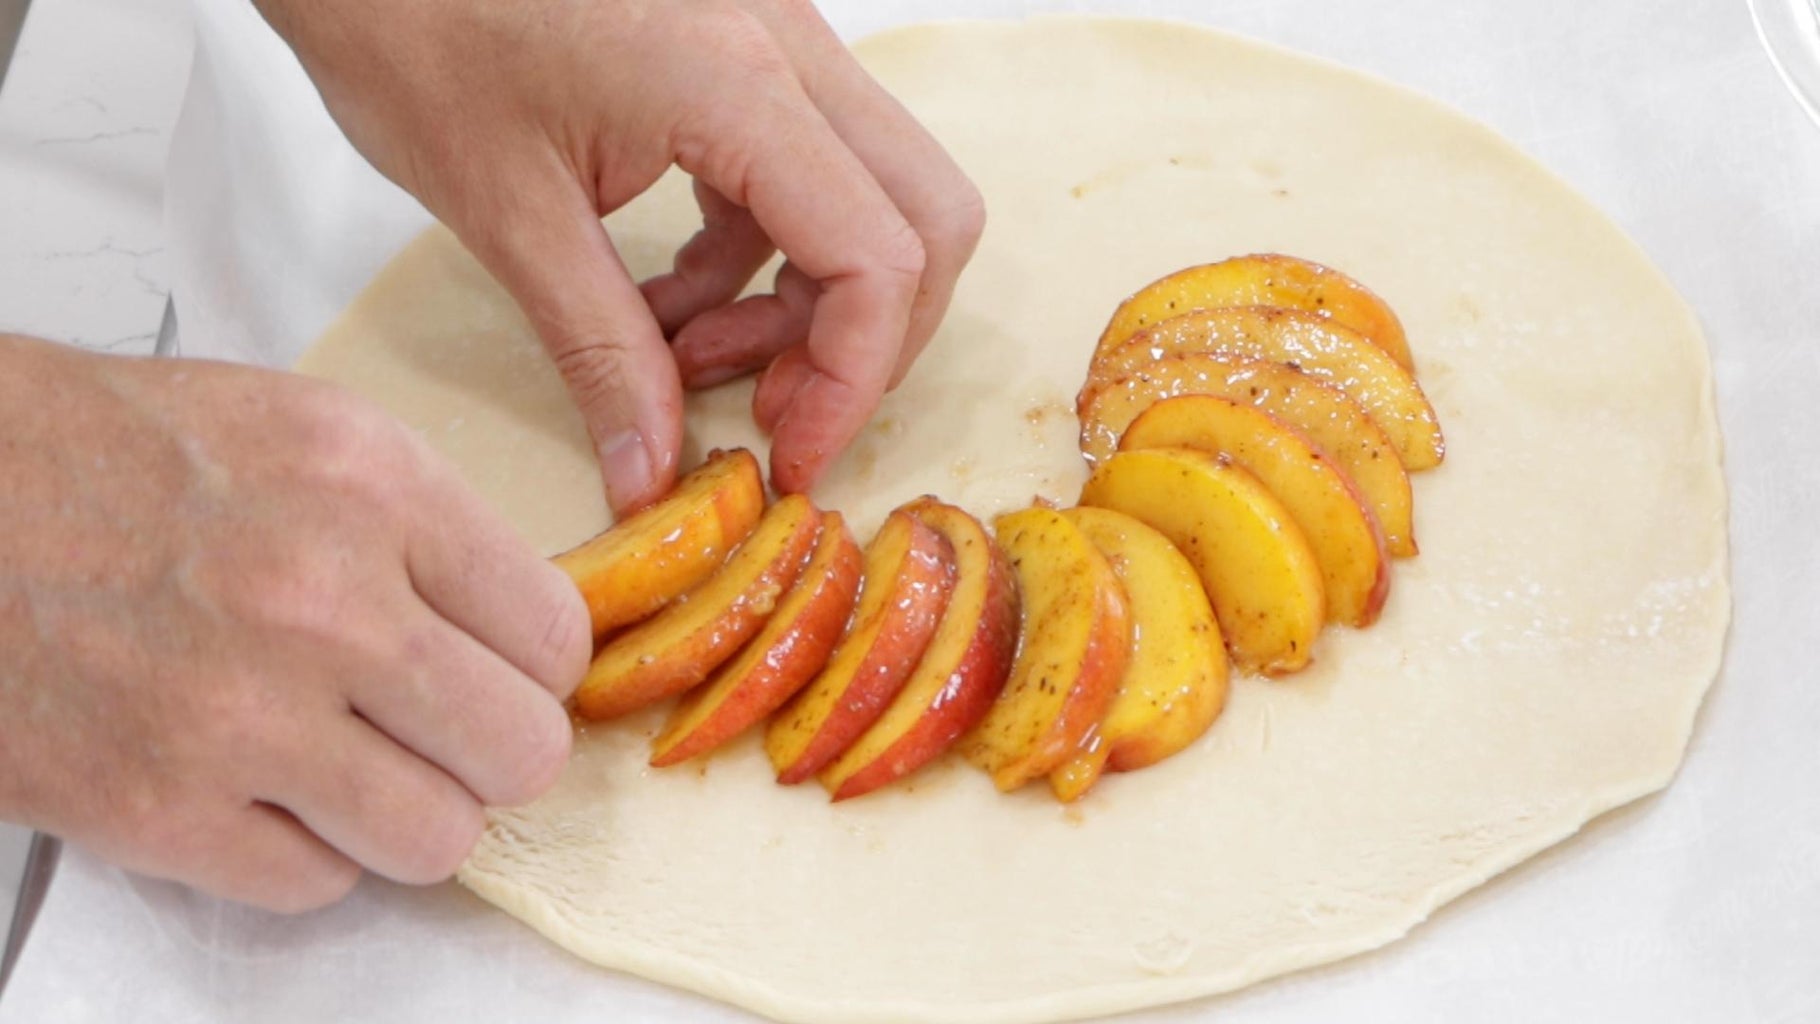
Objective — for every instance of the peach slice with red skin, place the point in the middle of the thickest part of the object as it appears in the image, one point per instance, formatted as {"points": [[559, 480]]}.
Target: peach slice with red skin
{"points": [[961, 672], [1320, 497], [645, 561], [1174, 683], [1332, 352], [1074, 641], [680, 645], [1267, 279], [1333, 421], [790, 649], [1256, 566], [908, 575]]}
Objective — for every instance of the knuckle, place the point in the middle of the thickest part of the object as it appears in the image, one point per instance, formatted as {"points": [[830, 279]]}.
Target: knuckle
{"points": [[796, 10], [706, 147], [333, 427], [596, 373], [745, 45], [540, 762], [297, 590], [566, 641], [901, 253], [435, 850], [241, 717], [712, 137], [961, 224], [349, 449]]}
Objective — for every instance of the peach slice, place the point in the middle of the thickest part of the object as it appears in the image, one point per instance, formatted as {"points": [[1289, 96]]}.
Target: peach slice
{"points": [[679, 646], [1262, 280], [1076, 637], [790, 649], [908, 577], [1334, 422], [1320, 498], [1174, 684], [1332, 352], [645, 561], [1258, 569], [961, 673]]}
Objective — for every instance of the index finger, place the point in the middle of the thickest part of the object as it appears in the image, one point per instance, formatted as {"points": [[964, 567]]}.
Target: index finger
{"points": [[914, 169], [778, 156]]}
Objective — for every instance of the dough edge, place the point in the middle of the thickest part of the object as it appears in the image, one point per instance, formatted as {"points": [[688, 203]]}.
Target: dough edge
{"points": [[668, 968]]}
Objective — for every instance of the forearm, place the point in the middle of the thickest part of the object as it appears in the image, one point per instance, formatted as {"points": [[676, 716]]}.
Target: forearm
{"points": [[72, 462]]}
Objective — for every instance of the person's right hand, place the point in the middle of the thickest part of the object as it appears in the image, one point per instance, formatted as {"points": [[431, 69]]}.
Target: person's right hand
{"points": [[519, 123], [255, 636]]}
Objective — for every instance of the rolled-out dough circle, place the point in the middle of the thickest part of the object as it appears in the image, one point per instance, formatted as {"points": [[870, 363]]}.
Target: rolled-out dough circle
{"points": [[1539, 663]]}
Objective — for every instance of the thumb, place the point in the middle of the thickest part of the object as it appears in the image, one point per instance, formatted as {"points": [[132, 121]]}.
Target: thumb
{"points": [[546, 245]]}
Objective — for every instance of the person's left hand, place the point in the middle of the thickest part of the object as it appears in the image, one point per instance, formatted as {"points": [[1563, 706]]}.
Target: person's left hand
{"points": [[520, 123]]}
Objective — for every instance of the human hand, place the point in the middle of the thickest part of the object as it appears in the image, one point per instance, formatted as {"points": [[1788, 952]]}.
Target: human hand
{"points": [[519, 123], [254, 635]]}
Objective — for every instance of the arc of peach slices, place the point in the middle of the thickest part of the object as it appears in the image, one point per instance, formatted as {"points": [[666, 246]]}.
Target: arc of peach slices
{"points": [[1074, 639], [1174, 683], [1258, 570], [650, 558], [961, 672], [1322, 500], [680, 645], [793, 645], [1331, 352], [908, 578], [1267, 279], [1333, 421]]}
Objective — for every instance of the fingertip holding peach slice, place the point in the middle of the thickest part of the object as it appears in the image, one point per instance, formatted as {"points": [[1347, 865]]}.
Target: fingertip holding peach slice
{"points": [[680, 645], [1256, 566], [1320, 498], [1332, 352], [1336, 424], [785, 655], [1174, 683], [908, 576], [1075, 637], [644, 562], [1268, 279], [961, 672]]}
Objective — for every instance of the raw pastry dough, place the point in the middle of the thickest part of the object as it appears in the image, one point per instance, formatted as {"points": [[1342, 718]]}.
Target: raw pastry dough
{"points": [[1541, 661]]}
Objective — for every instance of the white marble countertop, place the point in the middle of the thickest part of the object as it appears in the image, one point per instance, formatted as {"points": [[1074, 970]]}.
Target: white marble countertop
{"points": [[86, 111], [85, 119]]}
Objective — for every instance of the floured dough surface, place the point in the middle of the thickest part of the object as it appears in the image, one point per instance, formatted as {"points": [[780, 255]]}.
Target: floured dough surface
{"points": [[1540, 662]]}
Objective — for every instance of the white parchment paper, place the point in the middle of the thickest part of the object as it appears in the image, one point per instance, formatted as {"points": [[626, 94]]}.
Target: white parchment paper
{"points": [[1701, 904]]}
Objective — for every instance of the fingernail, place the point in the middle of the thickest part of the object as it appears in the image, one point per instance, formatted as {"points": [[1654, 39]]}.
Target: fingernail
{"points": [[696, 378], [777, 391], [626, 465]]}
